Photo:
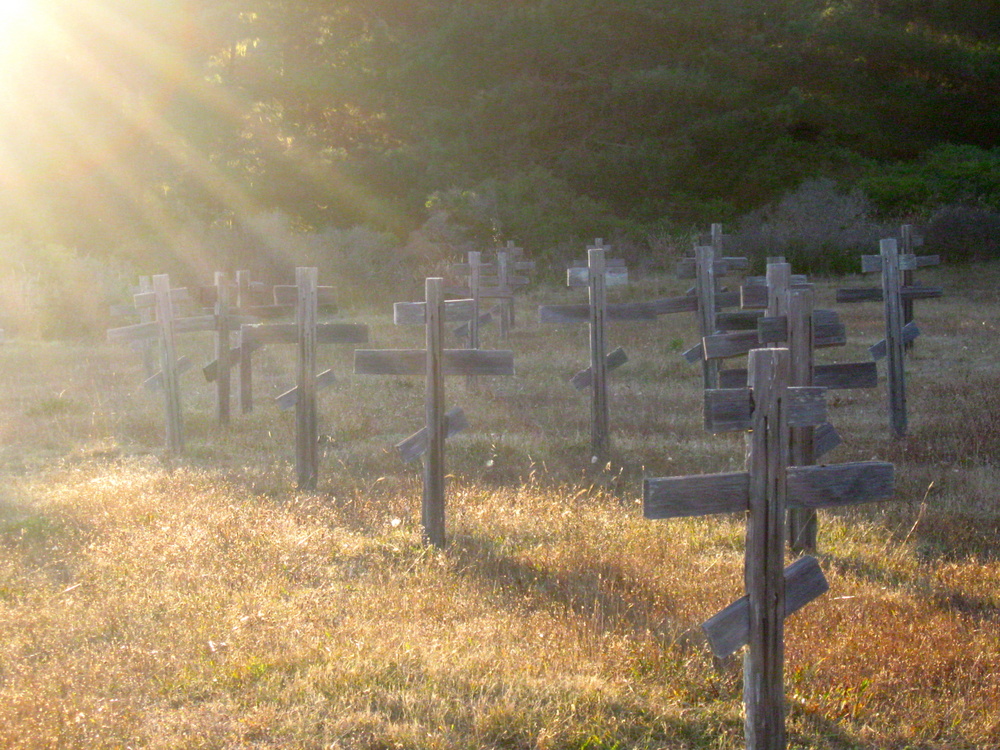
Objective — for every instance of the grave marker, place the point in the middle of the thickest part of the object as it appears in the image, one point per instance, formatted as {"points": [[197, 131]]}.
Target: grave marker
{"points": [[436, 363], [762, 491]]}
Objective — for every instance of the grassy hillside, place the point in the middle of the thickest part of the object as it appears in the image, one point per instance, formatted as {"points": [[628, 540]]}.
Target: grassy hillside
{"points": [[205, 603]]}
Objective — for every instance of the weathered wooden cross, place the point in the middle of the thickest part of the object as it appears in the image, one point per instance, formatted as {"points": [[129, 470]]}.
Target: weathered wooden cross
{"points": [[898, 333], [164, 327], [436, 363], [793, 322], [769, 408], [497, 280], [596, 276]]}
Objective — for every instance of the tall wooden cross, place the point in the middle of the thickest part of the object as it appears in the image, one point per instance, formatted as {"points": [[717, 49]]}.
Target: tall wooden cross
{"points": [[597, 276], [898, 333], [793, 322], [435, 363], [769, 408], [164, 327]]}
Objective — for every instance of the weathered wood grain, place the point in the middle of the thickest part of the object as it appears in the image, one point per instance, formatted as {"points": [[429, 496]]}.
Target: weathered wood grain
{"points": [[155, 381], [287, 294], [145, 300], [414, 313], [825, 439], [415, 445], [729, 630], [413, 362], [839, 484], [259, 334], [727, 409], [698, 495], [580, 277], [908, 333], [585, 378], [306, 416], [290, 398], [846, 376]]}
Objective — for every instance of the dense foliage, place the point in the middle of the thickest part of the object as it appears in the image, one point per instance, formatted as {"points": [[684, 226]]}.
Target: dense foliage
{"points": [[126, 119]]}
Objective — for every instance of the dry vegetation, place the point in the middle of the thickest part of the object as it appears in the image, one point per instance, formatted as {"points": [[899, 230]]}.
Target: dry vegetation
{"points": [[208, 604]]}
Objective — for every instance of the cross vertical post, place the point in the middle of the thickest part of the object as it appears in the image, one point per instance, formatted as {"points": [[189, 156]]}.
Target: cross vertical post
{"points": [[506, 305], [222, 348], [907, 243], [763, 676], [306, 427], [168, 364], [894, 336], [433, 507], [705, 290], [802, 522], [245, 384], [597, 293], [146, 315]]}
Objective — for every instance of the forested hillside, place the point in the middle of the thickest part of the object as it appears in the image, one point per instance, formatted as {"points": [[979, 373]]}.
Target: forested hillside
{"points": [[121, 118]]}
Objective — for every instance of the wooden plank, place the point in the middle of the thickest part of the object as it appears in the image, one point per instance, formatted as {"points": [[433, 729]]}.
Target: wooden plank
{"points": [[462, 331], [211, 370], [744, 320], [895, 374], [801, 315], [873, 263], [487, 292], [306, 420], [723, 266], [155, 381], [727, 409], [695, 354], [580, 277], [729, 630], [921, 292], [415, 445], [668, 305], [839, 484], [508, 283], [731, 409], [875, 294], [608, 263], [726, 345], [222, 348], [432, 507], [698, 495], [585, 378], [859, 294], [844, 376], [707, 308], [600, 430], [168, 359], [413, 361], [615, 313], [194, 324], [147, 300], [135, 332], [767, 461], [825, 439], [290, 398], [414, 313], [259, 334], [286, 294]]}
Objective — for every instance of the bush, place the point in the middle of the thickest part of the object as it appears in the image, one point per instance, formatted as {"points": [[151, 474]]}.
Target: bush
{"points": [[818, 228], [963, 233]]}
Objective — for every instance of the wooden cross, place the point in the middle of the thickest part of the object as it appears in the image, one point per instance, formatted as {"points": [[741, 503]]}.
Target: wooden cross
{"points": [[899, 333], [793, 321], [769, 408], [164, 326], [597, 276], [497, 280], [436, 363]]}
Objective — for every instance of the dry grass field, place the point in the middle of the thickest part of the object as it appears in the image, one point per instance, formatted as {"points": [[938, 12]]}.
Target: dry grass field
{"points": [[206, 603]]}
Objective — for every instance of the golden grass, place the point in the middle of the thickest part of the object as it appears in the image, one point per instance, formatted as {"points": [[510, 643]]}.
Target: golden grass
{"points": [[205, 603]]}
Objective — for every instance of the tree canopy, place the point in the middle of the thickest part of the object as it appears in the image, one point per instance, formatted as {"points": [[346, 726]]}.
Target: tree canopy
{"points": [[125, 117]]}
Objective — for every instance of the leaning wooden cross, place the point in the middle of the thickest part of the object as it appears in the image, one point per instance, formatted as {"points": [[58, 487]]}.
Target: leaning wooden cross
{"points": [[769, 408], [596, 276], [436, 363], [898, 334], [164, 328]]}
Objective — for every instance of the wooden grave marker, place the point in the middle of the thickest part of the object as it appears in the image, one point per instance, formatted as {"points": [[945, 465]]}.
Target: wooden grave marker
{"points": [[163, 327], [899, 334], [768, 408], [793, 321], [597, 276], [435, 363]]}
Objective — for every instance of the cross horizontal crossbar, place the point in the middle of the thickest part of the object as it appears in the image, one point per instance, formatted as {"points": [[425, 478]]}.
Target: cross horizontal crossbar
{"points": [[831, 377], [415, 313], [618, 312], [907, 262], [696, 495], [720, 267], [874, 294], [839, 484], [730, 409], [613, 276], [258, 334], [414, 362]]}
